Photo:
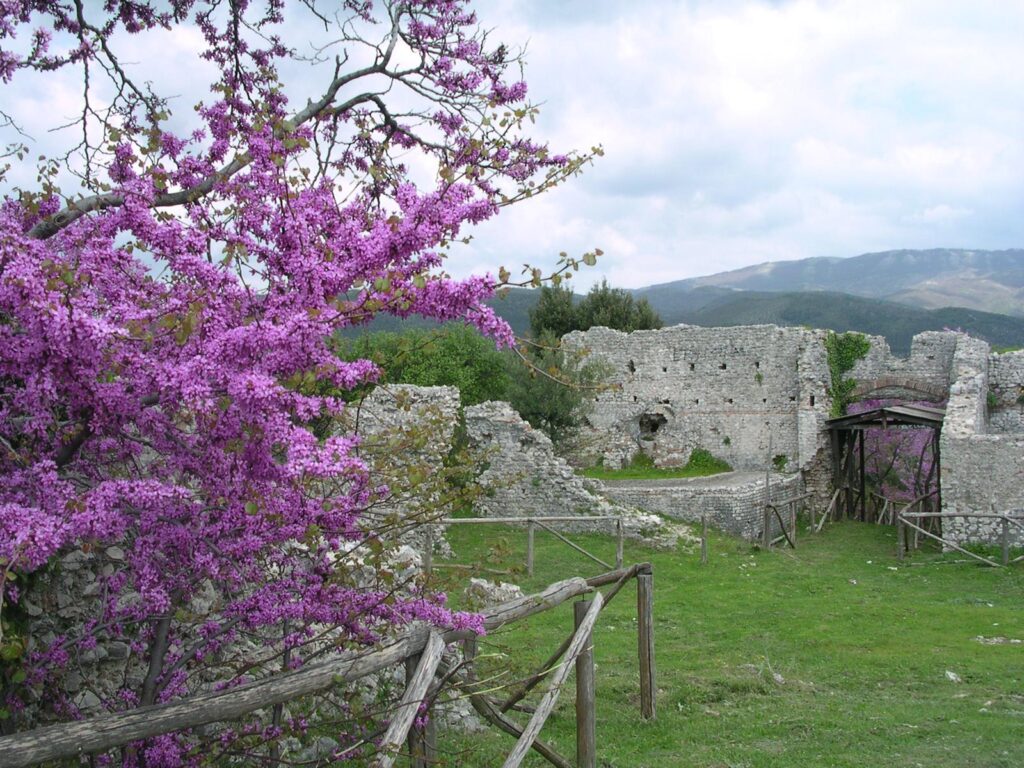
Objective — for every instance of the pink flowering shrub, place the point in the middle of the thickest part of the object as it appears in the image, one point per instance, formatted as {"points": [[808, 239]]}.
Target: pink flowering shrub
{"points": [[160, 327]]}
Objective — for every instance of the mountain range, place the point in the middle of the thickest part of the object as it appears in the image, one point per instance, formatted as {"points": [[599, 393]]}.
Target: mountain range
{"points": [[992, 281], [895, 294]]}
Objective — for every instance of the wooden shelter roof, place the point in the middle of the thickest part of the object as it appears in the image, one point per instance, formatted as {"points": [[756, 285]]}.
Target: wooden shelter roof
{"points": [[891, 416]]}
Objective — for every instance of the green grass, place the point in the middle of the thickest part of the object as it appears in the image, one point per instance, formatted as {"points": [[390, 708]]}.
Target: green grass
{"points": [[862, 645], [642, 467]]}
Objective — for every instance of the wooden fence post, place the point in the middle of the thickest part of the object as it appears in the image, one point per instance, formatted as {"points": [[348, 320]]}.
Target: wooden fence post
{"points": [[766, 534], [586, 716], [619, 533], [645, 632], [422, 740], [704, 539], [901, 537], [792, 522], [1006, 541], [404, 714], [531, 527]]}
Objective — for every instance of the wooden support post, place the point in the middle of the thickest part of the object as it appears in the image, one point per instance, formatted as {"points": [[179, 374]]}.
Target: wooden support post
{"points": [[766, 527], [619, 533], [531, 528], [586, 715], [421, 741], [405, 712], [863, 490], [645, 631], [1006, 541], [792, 523], [428, 551], [704, 539], [901, 538]]}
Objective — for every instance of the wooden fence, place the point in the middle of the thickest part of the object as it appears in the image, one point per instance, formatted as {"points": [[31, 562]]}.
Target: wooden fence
{"points": [[785, 513], [422, 651], [532, 523], [911, 525]]}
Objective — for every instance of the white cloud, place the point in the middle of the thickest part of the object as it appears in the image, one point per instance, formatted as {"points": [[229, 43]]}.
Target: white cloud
{"points": [[736, 131]]}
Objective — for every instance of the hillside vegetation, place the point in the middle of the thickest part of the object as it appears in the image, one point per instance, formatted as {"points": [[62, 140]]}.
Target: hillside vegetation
{"points": [[950, 288]]}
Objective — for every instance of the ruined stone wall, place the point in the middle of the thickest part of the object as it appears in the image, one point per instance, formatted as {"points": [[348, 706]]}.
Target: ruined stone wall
{"points": [[525, 478], [735, 505], [745, 393], [981, 469], [407, 434], [1006, 383], [930, 361]]}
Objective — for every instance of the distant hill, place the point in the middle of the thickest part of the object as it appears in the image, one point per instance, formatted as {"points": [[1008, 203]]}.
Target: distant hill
{"points": [[713, 306], [842, 312], [893, 294], [992, 281]]}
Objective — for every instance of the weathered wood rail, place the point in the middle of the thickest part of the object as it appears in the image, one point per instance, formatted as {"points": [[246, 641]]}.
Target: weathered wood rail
{"points": [[422, 645], [532, 523]]}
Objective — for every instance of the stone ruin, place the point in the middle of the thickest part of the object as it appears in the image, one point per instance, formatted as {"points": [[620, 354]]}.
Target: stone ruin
{"points": [[755, 396]]}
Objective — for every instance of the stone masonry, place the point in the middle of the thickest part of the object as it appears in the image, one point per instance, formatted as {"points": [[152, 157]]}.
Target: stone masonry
{"points": [[525, 478], [982, 444]]}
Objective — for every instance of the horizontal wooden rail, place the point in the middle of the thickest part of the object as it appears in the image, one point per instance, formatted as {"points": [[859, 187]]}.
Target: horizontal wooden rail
{"points": [[501, 520], [983, 515]]}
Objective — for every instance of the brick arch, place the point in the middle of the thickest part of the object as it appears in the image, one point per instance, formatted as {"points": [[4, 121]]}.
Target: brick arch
{"points": [[905, 386]]}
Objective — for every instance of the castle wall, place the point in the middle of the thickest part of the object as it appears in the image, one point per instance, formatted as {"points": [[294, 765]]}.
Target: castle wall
{"points": [[745, 393], [930, 360], [982, 468], [732, 505], [1006, 383]]}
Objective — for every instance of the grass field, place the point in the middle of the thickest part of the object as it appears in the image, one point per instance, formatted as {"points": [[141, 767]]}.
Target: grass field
{"points": [[701, 463], [829, 655]]}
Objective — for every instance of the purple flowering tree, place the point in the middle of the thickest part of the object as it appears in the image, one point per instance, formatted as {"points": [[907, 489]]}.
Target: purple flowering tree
{"points": [[899, 462], [167, 295]]}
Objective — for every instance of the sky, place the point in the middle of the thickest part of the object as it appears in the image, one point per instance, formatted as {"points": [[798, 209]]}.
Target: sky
{"points": [[735, 131], [750, 131]]}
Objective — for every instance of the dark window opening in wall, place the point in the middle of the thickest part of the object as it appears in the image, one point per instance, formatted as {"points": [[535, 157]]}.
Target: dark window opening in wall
{"points": [[666, 401], [792, 398], [631, 367], [693, 366], [729, 401], [664, 369], [650, 423], [764, 399], [722, 366], [757, 364], [597, 399], [634, 398], [697, 401], [812, 400]]}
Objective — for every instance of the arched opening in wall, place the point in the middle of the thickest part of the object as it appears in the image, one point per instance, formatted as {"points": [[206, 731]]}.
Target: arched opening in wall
{"points": [[650, 423], [631, 367]]}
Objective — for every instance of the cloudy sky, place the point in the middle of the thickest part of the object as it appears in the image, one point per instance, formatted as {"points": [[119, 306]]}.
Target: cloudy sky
{"points": [[745, 131], [735, 131]]}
